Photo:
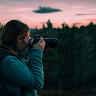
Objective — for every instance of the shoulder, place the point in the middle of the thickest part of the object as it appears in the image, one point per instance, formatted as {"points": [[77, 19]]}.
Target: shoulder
{"points": [[10, 57], [11, 63], [10, 60]]}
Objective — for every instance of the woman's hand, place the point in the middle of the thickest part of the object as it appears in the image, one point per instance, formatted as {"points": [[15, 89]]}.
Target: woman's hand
{"points": [[40, 44]]}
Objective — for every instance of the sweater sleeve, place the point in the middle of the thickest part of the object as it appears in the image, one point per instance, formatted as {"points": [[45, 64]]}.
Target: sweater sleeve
{"points": [[20, 74]]}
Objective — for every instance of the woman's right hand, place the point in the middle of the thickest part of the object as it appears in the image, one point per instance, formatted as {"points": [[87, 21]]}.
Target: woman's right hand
{"points": [[40, 44]]}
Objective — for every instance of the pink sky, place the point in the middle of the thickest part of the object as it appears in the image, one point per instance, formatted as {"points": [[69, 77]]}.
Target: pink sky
{"points": [[79, 12]]}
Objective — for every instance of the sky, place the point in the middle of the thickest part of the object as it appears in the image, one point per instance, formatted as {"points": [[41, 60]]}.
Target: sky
{"points": [[38, 12]]}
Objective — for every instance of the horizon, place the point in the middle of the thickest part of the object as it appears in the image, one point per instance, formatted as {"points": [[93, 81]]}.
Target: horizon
{"points": [[37, 12], [68, 26]]}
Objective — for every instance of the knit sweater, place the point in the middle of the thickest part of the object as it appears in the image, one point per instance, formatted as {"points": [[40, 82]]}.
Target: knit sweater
{"points": [[26, 73]]}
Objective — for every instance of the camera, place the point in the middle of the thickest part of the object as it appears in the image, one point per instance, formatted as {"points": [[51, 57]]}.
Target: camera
{"points": [[50, 42]]}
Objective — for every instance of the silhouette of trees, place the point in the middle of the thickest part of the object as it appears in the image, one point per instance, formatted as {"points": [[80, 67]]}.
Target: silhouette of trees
{"points": [[1, 27], [72, 63]]}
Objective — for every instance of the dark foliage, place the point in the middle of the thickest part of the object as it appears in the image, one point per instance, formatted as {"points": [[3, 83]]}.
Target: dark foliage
{"points": [[73, 63]]}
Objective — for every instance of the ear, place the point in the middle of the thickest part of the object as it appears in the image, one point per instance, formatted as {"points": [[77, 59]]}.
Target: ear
{"points": [[19, 38]]}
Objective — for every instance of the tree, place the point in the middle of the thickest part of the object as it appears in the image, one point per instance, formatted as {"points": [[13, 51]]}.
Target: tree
{"points": [[49, 24], [72, 63], [1, 27]]}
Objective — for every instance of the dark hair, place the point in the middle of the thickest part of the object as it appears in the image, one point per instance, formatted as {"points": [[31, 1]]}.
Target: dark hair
{"points": [[12, 30]]}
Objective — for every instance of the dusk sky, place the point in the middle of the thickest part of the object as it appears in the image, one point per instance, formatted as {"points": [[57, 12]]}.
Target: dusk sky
{"points": [[37, 12]]}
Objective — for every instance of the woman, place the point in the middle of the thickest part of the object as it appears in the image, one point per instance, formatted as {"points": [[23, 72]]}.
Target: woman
{"points": [[21, 77]]}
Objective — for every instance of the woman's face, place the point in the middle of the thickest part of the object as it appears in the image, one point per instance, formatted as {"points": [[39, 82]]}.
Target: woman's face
{"points": [[23, 43]]}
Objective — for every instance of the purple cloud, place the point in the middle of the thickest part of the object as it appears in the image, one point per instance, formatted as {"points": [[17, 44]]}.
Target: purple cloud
{"points": [[77, 23], [46, 10], [84, 14]]}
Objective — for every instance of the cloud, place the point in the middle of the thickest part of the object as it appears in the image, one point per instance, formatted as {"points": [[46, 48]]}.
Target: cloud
{"points": [[77, 7], [84, 14], [46, 10], [77, 23], [93, 9], [42, 22], [90, 19]]}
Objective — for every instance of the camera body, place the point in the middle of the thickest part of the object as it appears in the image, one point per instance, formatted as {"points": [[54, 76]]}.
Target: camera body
{"points": [[50, 42]]}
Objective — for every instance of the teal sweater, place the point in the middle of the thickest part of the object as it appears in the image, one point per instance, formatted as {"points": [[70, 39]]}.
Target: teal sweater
{"points": [[29, 74]]}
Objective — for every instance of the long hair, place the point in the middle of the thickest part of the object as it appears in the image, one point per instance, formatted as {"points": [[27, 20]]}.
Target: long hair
{"points": [[12, 30]]}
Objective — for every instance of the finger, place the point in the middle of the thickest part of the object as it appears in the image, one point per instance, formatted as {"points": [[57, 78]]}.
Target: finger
{"points": [[41, 40]]}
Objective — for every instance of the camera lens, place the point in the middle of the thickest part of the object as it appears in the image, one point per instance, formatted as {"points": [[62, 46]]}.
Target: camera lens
{"points": [[51, 42]]}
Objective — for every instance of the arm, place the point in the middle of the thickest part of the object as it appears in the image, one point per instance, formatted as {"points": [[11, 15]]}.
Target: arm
{"points": [[20, 74]]}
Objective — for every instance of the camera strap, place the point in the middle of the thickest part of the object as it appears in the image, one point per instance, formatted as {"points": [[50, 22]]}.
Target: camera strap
{"points": [[9, 51]]}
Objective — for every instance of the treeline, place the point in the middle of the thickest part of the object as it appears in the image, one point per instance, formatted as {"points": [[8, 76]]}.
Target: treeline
{"points": [[73, 63], [1, 27]]}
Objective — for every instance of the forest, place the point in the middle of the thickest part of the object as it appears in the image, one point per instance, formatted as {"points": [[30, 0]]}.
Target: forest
{"points": [[72, 64]]}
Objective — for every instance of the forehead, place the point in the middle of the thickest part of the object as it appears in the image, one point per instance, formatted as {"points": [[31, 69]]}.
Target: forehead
{"points": [[28, 33]]}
